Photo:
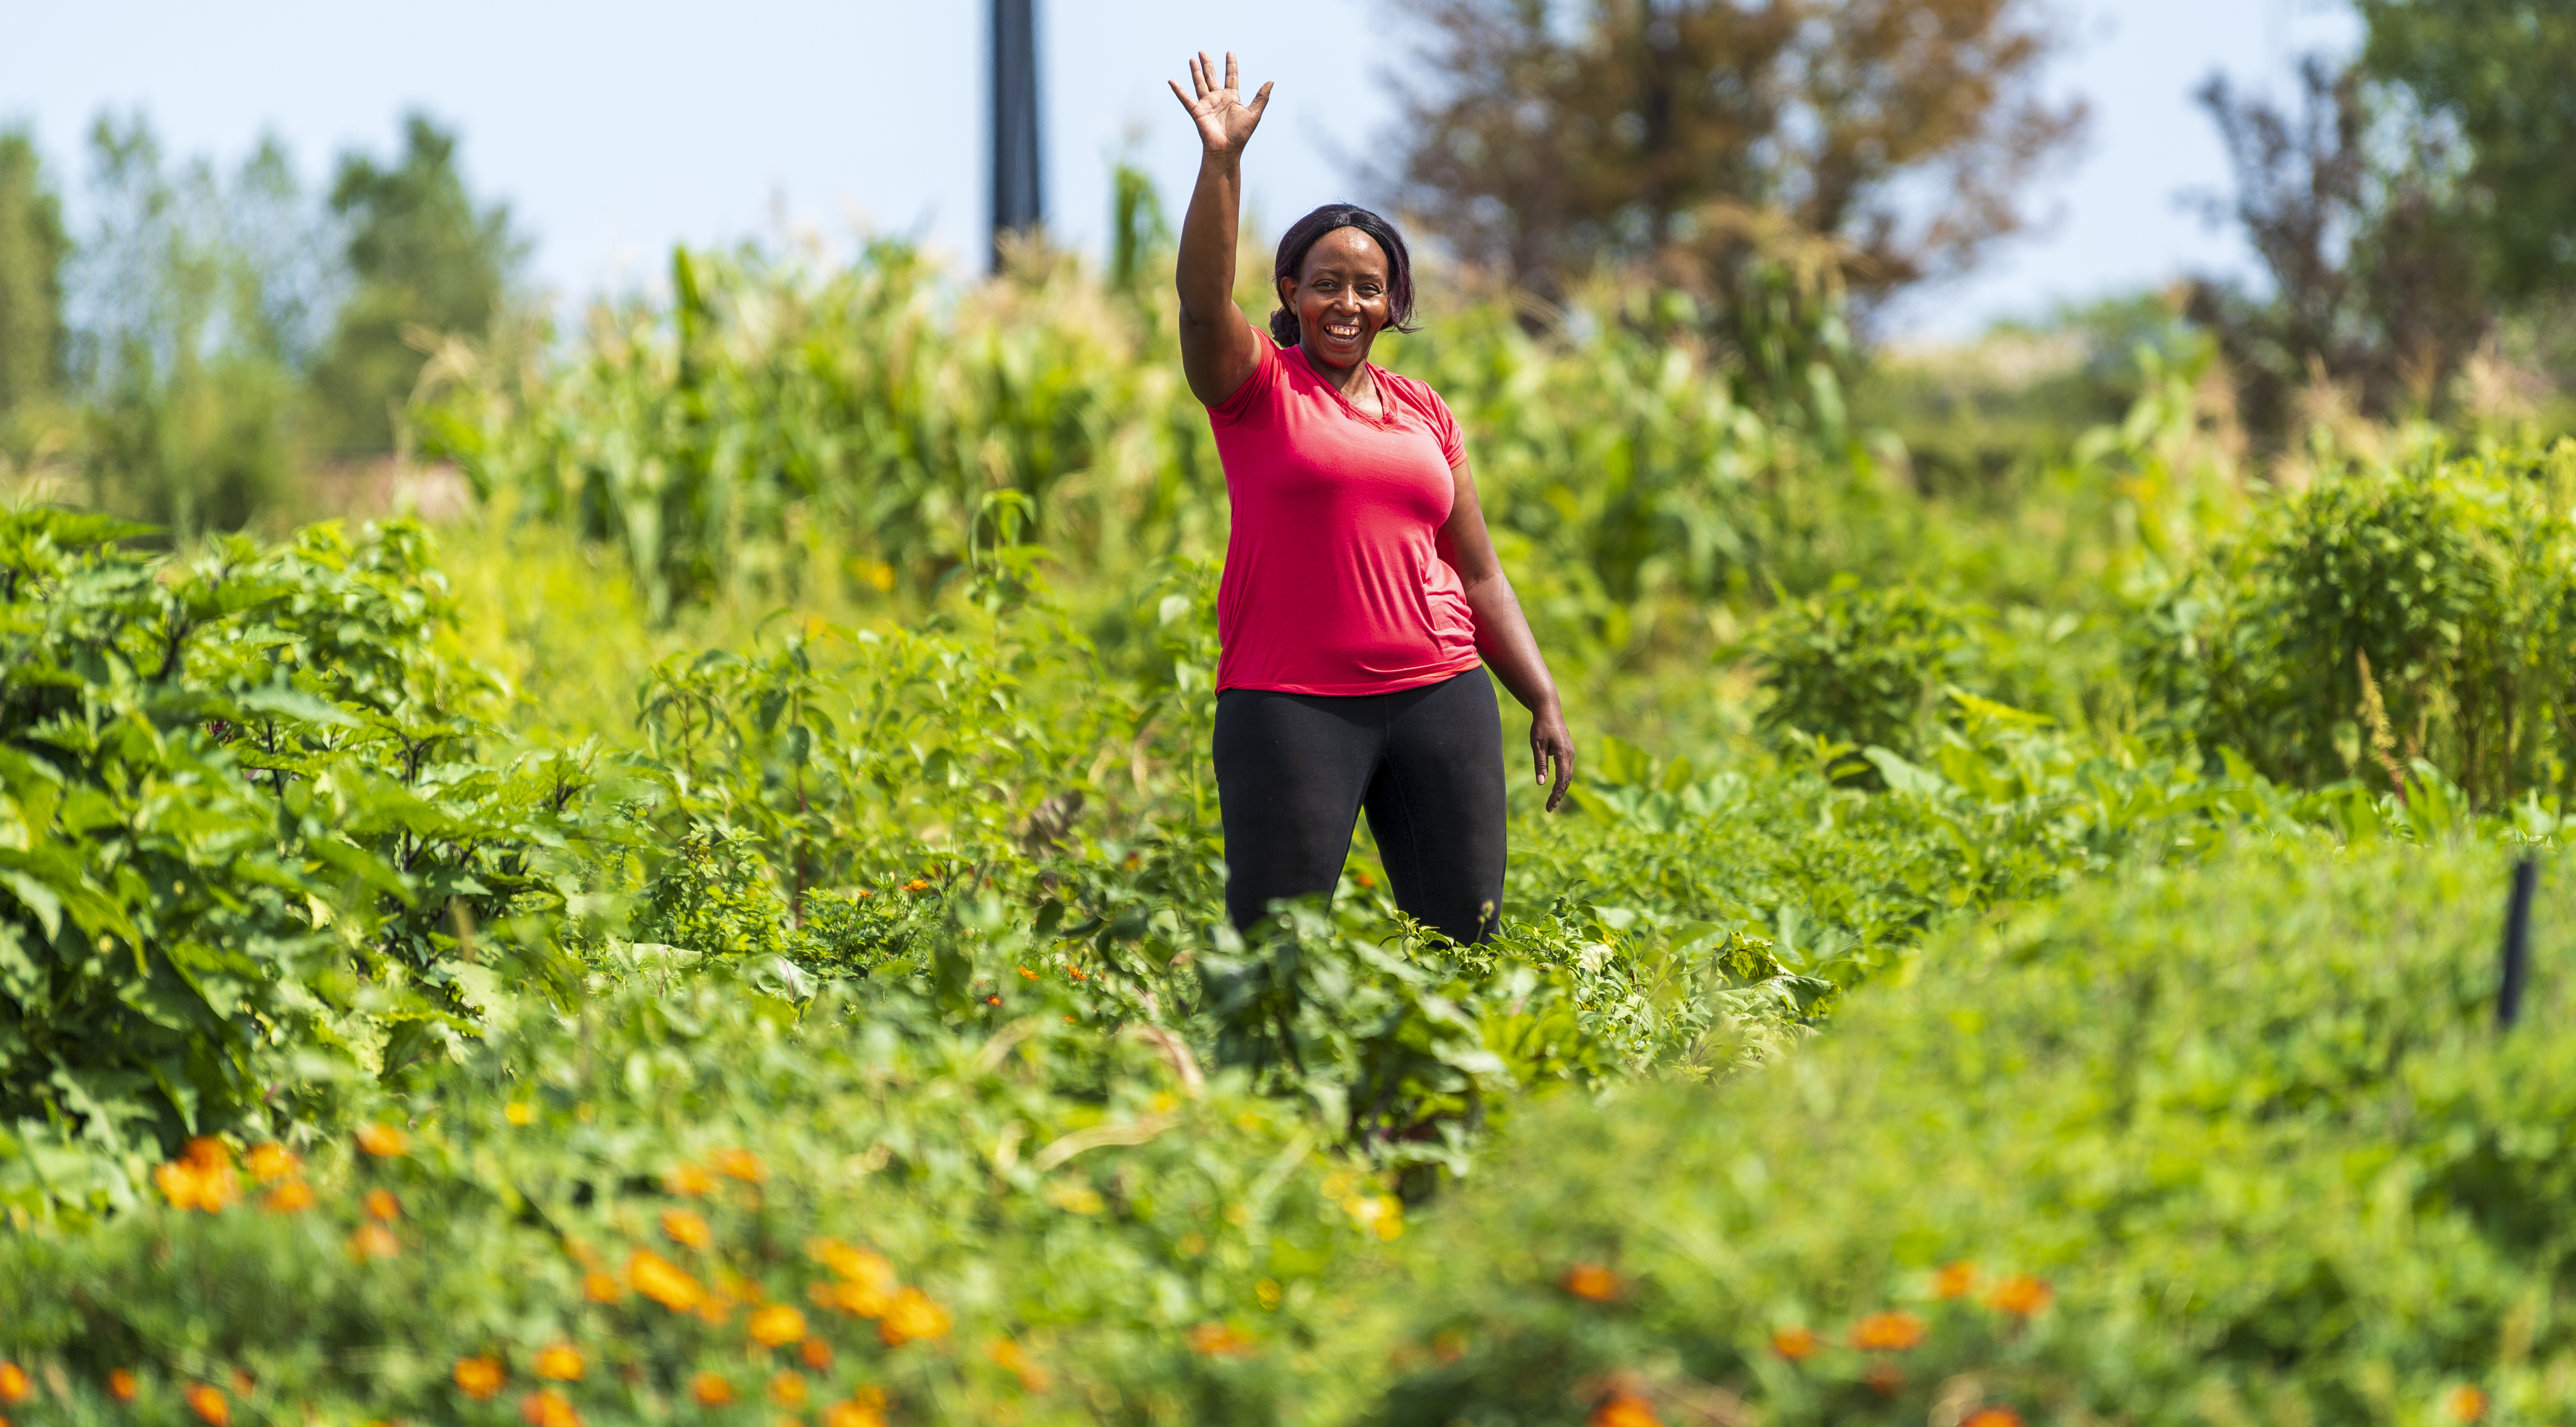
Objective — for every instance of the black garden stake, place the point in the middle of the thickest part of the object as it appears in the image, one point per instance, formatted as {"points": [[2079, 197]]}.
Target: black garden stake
{"points": [[2517, 944]]}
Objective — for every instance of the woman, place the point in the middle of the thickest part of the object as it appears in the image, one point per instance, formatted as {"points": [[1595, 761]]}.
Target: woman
{"points": [[1360, 586]]}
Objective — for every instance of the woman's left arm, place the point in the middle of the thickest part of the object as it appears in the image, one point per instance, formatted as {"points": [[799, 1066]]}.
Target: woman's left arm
{"points": [[1503, 633]]}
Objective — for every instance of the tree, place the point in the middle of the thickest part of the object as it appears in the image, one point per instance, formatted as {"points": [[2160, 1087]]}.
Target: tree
{"points": [[194, 300], [33, 247], [422, 256], [2500, 70], [2353, 207], [1709, 136]]}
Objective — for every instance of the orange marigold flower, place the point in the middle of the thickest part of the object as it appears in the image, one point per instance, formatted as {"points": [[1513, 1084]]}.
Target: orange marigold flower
{"points": [[1884, 1378], [1592, 1281], [2463, 1403], [662, 1281], [787, 1388], [383, 1141], [1076, 973], [777, 1325], [14, 1387], [2021, 1294], [1888, 1332], [1992, 1417], [207, 1401], [992, 1000], [916, 885], [122, 1386], [739, 1164], [687, 1228], [381, 1204], [373, 1241], [710, 1390], [1795, 1343], [548, 1408], [912, 1315], [867, 1409], [207, 1152], [478, 1378], [560, 1363], [688, 1180], [1623, 1409], [294, 1196], [1219, 1340], [601, 1287], [816, 1353], [1955, 1280], [858, 1265], [1027, 974], [1016, 1360], [199, 1182], [271, 1163]]}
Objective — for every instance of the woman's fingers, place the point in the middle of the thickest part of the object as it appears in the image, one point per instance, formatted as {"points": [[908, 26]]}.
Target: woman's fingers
{"points": [[1233, 84], [1261, 101]]}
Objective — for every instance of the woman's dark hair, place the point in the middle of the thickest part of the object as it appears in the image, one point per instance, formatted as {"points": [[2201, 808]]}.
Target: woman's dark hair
{"points": [[1302, 236]]}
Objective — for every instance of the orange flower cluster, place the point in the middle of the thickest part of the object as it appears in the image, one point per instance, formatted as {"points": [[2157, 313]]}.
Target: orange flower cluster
{"points": [[787, 1388], [866, 1282], [912, 1316], [2464, 1403], [2021, 1295], [684, 1227], [1992, 1417], [865, 1408], [1955, 1280], [373, 1241], [710, 1390], [1623, 1409], [548, 1408], [1015, 1360], [777, 1325], [739, 1164], [1592, 1281], [14, 1386], [122, 1386], [383, 1141], [202, 1177], [383, 1206], [1896, 1332], [1795, 1343], [479, 1378], [207, 1401], [1219, 1340], [271, 1163], [688, 1180], [560, 1363], [664, 1282]]}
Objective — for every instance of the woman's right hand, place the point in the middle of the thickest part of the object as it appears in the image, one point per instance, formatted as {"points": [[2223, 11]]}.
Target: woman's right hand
{"points": [[1225, 121]]}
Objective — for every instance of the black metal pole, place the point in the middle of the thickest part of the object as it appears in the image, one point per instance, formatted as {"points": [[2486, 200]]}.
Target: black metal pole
{"points": [[1018, 197], [2517, 944]]}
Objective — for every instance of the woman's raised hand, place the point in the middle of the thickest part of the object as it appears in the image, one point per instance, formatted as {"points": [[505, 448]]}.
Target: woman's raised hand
{"points": [[1225, 121]]}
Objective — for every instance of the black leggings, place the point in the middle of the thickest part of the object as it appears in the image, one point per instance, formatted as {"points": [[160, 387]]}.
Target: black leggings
{"points": [[1293, 772]]}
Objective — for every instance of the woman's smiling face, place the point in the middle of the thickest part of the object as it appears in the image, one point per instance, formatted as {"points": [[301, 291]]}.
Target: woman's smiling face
{"points": [[1340, 297]]}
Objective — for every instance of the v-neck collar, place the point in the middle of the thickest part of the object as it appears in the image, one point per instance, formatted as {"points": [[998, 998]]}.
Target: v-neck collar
{"points": [[1385, 418]]}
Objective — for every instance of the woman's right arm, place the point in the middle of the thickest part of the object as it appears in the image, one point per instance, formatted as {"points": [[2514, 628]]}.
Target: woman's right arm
{"points": [[1219, 349]]}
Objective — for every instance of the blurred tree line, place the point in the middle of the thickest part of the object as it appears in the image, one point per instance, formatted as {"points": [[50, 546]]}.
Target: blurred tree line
{"points": [[210, 337], [1772, 173]]}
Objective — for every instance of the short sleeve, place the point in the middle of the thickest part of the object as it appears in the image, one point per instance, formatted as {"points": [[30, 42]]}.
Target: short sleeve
{"points": [[1453, 447], [1256, 389]]}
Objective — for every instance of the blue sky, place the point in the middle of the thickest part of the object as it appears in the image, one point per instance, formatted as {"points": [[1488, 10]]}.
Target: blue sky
{"points": [[614, 129]]}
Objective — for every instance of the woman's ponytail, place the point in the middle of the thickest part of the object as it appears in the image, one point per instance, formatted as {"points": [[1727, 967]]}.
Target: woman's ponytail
{"points": [[1284, 328]]}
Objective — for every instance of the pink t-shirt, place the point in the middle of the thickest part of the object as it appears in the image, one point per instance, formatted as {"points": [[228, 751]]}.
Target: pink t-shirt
{"points": [[1333, 578]]}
